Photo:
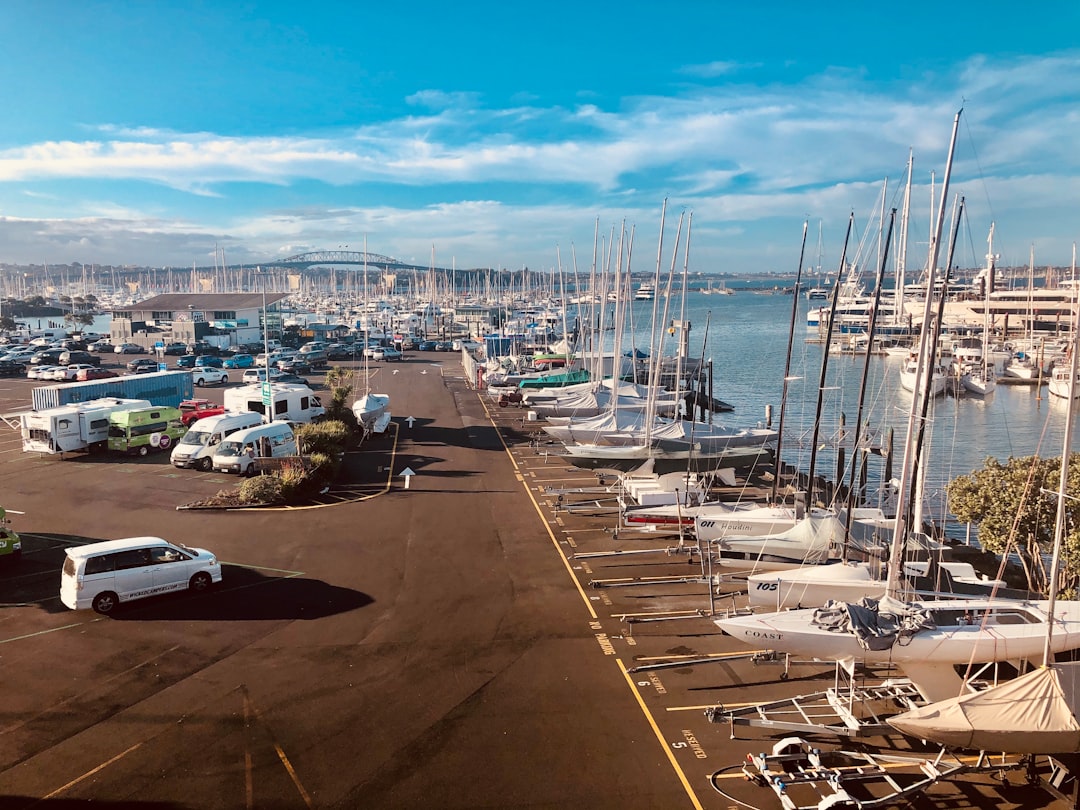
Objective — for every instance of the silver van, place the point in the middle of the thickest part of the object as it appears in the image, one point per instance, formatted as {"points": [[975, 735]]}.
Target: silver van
{"points": [[101, 575], [238, 452]]}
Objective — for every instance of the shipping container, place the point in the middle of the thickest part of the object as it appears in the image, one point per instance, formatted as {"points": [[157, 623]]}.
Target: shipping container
{"points": [[166, 388]]}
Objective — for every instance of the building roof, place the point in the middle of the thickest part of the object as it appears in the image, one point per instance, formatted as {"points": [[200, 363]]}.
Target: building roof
{"points": [[178, 302]]}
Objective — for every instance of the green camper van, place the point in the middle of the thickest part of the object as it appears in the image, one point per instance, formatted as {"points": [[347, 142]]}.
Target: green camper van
{"points": [[141, 430]]}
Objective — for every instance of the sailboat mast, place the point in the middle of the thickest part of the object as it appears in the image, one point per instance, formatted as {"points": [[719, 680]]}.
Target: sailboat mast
{"points": [[901, 526], [774, 497], [1059, 525], [821, 378]]}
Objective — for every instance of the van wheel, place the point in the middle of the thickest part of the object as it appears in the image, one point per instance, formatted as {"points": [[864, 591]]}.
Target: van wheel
{"points": [[250, 471], [200, 381], [206, 464], [200, 582], [104, 603], [143, 450]]}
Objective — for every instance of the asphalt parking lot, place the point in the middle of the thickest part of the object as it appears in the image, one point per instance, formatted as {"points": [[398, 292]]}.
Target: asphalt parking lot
{"points": [[473, 640]]}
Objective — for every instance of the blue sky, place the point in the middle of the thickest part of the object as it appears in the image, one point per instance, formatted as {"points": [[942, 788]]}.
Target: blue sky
{"points": [[502, 134]]}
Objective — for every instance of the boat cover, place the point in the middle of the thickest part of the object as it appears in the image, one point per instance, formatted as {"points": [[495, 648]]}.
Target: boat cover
{"points": [[1032, 714], [877, 624]]}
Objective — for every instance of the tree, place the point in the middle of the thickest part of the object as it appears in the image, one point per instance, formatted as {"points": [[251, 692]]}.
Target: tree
{"points": [[79, 318], [1015, 506], [340, 391], [7, 322]]}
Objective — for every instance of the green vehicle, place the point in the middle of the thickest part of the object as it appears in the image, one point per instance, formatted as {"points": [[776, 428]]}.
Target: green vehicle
{"points": [[141, 430], [10, 544]]}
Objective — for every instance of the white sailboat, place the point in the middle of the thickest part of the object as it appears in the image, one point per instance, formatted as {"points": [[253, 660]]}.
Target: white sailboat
{"points": [[927, 639], [978, 377], [1035, 713]]}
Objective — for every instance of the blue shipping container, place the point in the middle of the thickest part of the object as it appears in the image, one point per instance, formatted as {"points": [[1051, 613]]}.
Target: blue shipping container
{"points": [[165, 388]]}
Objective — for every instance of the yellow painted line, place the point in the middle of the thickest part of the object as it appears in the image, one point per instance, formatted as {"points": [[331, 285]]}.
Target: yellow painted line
{"points": [[659, 736], [543, 519], [88, 774], [292, 775]]}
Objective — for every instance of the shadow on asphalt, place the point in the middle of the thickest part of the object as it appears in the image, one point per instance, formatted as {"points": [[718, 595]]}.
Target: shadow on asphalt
{"points": [[245, 594]]}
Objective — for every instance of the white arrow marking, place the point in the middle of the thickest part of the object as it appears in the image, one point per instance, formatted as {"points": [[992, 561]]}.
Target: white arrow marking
{"points": [[410, 420], [407, 474]]}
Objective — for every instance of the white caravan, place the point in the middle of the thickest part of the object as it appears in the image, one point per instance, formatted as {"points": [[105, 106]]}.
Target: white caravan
{"points": [[292, 402], [67, 428]]}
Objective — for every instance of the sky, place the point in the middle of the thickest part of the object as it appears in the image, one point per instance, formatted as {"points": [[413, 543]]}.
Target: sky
{"points": [[504, 134]]}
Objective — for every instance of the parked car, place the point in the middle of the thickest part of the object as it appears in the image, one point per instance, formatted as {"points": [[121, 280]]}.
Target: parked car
{"points": [[175, 348], [71, 357], [95, 373], [254, 375], [209, 360], [128, 348], [240, 361], [209, 375], [142, 365], [338, 351], [202, 347], [40, 372], [293, 378], [187, 361], [46, 357], [104, 345], [9, 368], [191, 410], [20, 355], [389, 354], [426, 346], [294, 365], [71, 371], [444, 346]]}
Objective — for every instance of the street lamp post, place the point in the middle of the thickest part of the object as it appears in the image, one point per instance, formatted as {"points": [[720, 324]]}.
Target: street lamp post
{"points": [[267, 400]]}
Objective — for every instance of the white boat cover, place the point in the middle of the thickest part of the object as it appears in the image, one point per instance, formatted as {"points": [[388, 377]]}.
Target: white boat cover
{"points": [[1032, 714]]}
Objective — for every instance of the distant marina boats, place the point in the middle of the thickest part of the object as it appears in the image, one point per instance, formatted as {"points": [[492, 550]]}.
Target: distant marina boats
{"points": [[646, 292]]}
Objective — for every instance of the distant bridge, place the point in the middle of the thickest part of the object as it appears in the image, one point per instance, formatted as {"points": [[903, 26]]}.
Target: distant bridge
{"points": [[304, 261]]}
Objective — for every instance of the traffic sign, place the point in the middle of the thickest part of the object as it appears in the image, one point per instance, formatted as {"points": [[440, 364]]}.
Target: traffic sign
{"points": [[267, 393]]}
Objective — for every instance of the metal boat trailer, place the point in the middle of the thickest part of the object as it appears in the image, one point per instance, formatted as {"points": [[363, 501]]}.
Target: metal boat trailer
{"points": [[844, 711], [798, 772]]}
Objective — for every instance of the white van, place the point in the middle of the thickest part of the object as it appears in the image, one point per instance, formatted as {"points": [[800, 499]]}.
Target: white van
{"points": [[101, 575], [196, 448], [237, 453]]}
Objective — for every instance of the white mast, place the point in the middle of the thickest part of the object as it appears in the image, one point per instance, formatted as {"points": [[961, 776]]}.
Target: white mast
{"points": [[922, 367]]}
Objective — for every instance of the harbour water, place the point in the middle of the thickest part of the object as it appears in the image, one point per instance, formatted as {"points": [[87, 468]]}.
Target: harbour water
{"points": [[746, 336]]}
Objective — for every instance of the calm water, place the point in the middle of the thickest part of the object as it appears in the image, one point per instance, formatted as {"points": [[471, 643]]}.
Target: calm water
{"points": [[746, 335]]}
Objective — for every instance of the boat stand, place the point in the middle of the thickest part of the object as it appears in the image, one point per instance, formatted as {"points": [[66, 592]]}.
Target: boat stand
{"points": [[853, 711], [798, 772]]}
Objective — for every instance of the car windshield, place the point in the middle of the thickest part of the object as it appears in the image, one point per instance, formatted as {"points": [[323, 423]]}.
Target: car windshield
{"points": [[199, 437], [229, 449]]}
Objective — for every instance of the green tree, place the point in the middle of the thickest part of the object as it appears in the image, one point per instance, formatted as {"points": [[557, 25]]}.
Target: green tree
{"points": [[1016, 511], [337, 380], [7, 322]]}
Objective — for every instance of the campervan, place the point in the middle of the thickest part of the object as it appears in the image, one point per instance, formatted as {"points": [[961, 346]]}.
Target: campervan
{"points": [[292, 402], [196, 448], [238, 452], [101, 575], [144, 429], [67, 428]]}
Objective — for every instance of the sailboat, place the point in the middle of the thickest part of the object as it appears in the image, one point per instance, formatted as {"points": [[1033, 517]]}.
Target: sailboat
{"points": [[978, 377], [1063, 381], [1036, 713], [926, 639], [372, 411]]}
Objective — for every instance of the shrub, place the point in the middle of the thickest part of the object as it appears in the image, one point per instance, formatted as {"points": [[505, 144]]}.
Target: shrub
{"points": [[329, 437], [262, 489], [292, 478]]}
